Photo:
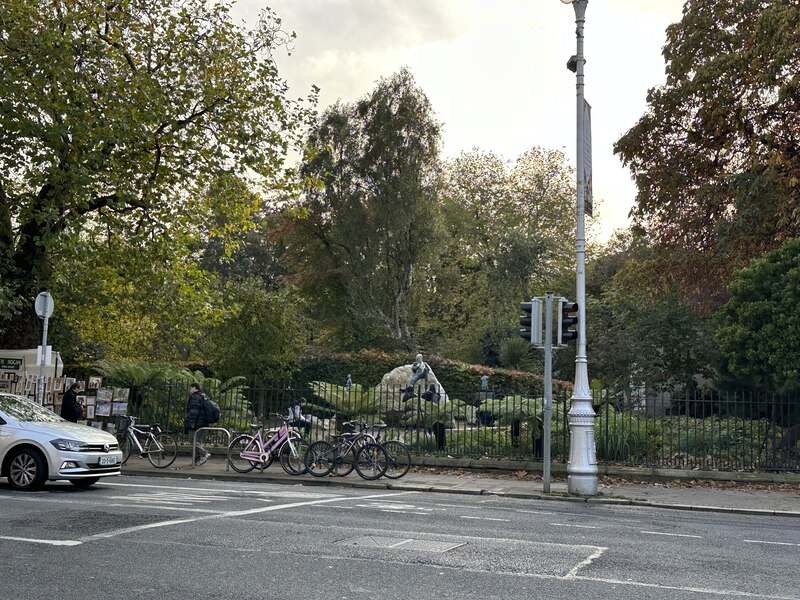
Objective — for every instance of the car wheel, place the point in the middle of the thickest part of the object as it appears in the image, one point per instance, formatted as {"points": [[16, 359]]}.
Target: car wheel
{"points": [[27, 470], [84, 483]]}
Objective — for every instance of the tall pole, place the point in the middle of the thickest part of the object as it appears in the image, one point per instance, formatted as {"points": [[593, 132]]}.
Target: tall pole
{"points": [[548, 391], [582, 466]]}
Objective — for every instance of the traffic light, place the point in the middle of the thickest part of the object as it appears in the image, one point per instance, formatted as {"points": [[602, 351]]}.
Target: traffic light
{"points": [[531, 321], [567, 321]]}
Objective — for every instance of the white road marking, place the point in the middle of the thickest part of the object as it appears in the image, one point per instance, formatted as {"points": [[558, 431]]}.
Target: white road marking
{"points": [[574, 525], [233, 513], [685, 535], [585, 563], [771, 543], [533, 512], [485, 519], [48, 542], [680, 588], [182, 509]]}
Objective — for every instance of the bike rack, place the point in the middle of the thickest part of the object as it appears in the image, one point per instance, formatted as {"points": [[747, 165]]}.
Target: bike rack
{"points": [[194, 443]]}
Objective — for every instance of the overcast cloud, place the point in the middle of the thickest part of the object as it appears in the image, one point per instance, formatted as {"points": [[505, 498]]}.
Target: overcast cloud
{"points": [[494, 71]]}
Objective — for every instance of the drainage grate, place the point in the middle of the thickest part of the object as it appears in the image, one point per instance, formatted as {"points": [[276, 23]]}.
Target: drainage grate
{"points": [[371, 541]]}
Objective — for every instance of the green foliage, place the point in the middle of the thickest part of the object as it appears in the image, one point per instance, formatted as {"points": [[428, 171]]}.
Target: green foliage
{"points": [[504, 238], [657, 337], [507, 410], [368, 225], [621, 438], [348, 403], [516, 353], [759, 326], [118, 116], [262, 332], [367, 367]]}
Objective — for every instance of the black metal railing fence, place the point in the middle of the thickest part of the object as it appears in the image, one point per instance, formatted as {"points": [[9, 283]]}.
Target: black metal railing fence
{"points": [[700, 430]]}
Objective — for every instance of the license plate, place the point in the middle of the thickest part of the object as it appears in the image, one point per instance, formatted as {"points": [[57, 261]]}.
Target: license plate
{"points": [[108, 460]]}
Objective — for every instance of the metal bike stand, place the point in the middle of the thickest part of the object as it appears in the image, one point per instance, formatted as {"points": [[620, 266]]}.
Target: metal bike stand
{"points": [[194, 443]]}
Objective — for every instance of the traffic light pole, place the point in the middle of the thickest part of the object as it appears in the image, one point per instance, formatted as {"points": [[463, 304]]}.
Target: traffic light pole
{"points": [[582, 466], [548, 391]]}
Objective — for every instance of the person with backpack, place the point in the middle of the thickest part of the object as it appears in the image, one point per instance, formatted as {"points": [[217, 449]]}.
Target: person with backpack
{"points": [[196, 417]]}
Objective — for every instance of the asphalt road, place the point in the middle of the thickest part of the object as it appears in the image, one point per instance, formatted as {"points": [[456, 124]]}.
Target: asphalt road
{"points": [[139, 537]]}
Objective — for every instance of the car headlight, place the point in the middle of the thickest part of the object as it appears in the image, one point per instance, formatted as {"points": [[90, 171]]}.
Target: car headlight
{"points": [[70, 445]]}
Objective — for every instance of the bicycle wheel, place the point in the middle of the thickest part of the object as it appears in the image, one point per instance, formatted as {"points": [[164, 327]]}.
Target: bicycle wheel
{"points": [[345, 463], [293, 456], [125, 446], [320, 458], [161, 450], [399, 459], [371, 461], [235, 449]]}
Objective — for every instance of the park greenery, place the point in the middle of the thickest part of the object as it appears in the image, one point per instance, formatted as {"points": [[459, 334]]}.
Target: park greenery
{"points": [[157, 178]]}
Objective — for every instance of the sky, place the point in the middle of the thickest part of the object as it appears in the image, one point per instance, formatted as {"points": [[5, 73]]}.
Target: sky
{"points": [[494, 71]]}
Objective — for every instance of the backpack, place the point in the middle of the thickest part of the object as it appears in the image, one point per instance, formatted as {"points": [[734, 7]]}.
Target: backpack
{"points": [[211, 410]]}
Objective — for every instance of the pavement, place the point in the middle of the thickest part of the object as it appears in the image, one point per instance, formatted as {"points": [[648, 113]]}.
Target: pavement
{"points": [[743, 493]]}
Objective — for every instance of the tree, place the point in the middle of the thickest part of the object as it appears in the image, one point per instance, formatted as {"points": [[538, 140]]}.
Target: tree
{"points": [[509, 232], [715, 157], [657, 338], [367, 228], [262, 333], [759, 326], [117, 114]]}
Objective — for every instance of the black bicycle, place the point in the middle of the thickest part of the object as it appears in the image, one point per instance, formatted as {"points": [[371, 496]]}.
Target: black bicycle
{"points": [[350, 450]]}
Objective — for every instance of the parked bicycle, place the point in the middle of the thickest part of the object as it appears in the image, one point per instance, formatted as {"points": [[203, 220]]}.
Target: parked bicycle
{"points": [[399, 456], [160, 448], [349, 450], [247, 452]]}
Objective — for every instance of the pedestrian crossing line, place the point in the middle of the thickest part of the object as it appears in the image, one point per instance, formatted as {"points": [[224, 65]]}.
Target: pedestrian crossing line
{"points": [[183, 509], [232, 514], [177, 499]]}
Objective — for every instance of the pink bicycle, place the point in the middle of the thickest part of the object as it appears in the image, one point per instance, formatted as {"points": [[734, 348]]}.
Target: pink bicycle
{"points": [[247, 452]]}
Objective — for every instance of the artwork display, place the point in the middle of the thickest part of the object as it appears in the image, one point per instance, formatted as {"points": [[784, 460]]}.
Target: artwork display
{"points": [[95, 382]]}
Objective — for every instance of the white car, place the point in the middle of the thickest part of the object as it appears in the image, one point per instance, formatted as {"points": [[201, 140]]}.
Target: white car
{"points": [[36, 445]]}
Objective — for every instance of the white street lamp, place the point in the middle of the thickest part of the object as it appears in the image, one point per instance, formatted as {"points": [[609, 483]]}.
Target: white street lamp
{"points": [[582, 466]]}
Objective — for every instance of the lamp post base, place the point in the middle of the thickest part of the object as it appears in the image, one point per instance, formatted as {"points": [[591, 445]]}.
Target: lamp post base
{"points": [[582, 485]]}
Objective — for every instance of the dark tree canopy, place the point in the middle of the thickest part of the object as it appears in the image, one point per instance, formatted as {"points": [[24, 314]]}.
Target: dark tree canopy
{"points": [[367, 227], [716, 157]]}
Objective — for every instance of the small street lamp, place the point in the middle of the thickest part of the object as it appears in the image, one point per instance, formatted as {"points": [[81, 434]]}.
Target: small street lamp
{"points": [[582, 466]]}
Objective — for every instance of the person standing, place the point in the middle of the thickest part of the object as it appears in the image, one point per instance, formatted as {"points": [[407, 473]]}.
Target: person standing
{"points": [[71, 409], [195, 418], [297, 418]]}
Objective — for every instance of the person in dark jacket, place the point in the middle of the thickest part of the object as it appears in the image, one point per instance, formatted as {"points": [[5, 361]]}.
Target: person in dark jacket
{"points": [[195, 418], [71, 410]]}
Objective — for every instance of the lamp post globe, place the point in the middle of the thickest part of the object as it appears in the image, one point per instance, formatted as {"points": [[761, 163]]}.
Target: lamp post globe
{"points": [[582, 465]]}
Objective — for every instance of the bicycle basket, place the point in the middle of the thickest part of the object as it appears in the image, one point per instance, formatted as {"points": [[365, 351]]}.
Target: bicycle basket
{"points": [[122, 424]]}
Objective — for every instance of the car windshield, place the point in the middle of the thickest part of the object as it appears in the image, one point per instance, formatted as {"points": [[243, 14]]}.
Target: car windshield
{"points": [[23, 409]]}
